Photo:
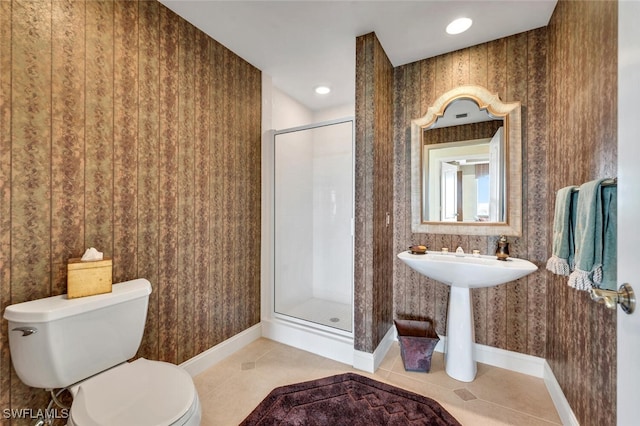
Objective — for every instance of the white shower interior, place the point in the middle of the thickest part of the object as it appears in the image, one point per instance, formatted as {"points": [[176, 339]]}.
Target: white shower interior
{"points": [[313, 212]]}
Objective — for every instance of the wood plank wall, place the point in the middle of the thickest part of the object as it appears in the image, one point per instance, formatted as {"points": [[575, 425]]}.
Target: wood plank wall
{"points": [[373, 291], [125, 128], [464, 132], [510, 316], [565, 77], [581, 337]]}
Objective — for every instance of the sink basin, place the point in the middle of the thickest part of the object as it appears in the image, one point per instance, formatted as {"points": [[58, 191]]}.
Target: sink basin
{"points": [[462, 273], [467, 270]]}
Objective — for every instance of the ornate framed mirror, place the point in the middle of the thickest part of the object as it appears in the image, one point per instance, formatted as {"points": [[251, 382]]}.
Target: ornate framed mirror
{"points": [[466, 165]]}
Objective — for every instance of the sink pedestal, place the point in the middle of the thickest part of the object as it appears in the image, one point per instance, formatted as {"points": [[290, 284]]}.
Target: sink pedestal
{"points": [[459, 356], [462, 273]]}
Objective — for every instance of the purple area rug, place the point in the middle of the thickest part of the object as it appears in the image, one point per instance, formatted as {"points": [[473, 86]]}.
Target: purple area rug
{"points": [[347, 399]]}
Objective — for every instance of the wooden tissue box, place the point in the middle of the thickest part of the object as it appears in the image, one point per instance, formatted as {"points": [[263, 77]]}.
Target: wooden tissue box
{"points": [[89, 277]]}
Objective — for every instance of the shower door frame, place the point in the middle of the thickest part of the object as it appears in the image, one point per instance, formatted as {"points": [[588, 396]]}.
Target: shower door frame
{"points": [[272, 286]]}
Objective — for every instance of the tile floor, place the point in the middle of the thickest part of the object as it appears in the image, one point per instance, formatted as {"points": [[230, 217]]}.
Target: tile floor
{"points": [[231, 389]]}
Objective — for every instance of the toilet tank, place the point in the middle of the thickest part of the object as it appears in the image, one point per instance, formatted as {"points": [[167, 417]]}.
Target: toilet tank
{"points": [[56, 341]]}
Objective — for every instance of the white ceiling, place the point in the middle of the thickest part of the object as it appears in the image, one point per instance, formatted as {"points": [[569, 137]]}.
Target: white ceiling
{"points": [[302, 44]]}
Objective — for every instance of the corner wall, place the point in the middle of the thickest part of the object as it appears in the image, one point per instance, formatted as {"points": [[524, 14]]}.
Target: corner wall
{"points": [[373, 251], [565, 77], [583, 54], [510, 316]]}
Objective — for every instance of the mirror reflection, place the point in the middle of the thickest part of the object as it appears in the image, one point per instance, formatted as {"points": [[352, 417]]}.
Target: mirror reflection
{"points": [[466, 165]]}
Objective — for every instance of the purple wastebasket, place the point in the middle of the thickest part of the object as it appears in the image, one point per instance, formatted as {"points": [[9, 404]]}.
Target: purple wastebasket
{"points": [[417, 340]]}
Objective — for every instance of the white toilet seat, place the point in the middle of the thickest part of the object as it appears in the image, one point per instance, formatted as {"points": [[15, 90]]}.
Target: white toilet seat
{"points": [[140, 393]]}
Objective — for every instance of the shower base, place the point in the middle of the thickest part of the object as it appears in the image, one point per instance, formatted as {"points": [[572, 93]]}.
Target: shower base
{"points": [[324, 312]]}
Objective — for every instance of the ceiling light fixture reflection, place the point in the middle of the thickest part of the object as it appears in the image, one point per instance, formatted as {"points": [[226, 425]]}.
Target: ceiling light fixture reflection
{"points": [[322, 90], [459, 25]]}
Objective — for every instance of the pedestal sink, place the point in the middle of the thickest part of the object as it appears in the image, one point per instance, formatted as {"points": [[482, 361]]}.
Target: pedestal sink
{"points": [[462, 273]]}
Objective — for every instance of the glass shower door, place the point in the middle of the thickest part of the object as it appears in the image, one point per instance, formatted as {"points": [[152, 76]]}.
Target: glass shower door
{"points": [[313, 224]]}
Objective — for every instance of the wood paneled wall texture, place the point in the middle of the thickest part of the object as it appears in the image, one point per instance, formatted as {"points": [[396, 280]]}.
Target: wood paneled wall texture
{"points": [[373, 279], [581, 337], [464, 132], [125, 128], [565, 77], [511, 316]]}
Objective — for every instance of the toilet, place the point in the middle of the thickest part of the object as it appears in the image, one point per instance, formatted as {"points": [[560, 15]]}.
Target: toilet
{"points": [[84, 344]]}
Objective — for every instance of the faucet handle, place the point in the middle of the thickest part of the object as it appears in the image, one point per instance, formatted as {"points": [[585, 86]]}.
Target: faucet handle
{"points": [[502, 252]]}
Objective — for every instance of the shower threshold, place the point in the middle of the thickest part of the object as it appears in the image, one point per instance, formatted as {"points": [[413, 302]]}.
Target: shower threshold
{"points": [[324, 312]]}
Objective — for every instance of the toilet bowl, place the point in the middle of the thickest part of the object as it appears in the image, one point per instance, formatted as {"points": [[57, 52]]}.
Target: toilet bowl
{"points": [[139, 393], [84, 344]]}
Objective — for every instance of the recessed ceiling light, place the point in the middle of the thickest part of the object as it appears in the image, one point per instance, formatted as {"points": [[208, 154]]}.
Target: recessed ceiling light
{"points": [[459, 25], [322, 90]]}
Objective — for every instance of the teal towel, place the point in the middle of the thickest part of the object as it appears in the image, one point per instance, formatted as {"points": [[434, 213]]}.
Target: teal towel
{"points": [[595, 237], [610, 244], [561, 261]]}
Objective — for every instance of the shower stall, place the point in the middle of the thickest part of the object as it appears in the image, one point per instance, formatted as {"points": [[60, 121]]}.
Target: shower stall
{"points": [[313, 230]]}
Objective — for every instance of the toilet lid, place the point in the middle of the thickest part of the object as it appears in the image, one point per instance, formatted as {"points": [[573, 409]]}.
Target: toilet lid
{"points": [[139, 393]]}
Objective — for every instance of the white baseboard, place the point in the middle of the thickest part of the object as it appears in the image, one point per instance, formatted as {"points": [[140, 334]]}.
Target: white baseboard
{"points": [[514, 361], [340, 348], [217, 353], [526, 364], [559, 400], [370, 362]]}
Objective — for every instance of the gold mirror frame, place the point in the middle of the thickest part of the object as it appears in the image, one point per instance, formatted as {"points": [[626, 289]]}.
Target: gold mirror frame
{"points": [[511, 113]]}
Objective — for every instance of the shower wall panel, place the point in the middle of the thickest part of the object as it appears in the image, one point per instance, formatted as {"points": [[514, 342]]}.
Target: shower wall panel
{"points": [[332, 213], [293, 193], [313, 188]]}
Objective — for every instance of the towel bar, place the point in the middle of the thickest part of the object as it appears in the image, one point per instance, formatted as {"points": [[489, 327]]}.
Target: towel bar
{"points": [[605, 183], [625, 297]]}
